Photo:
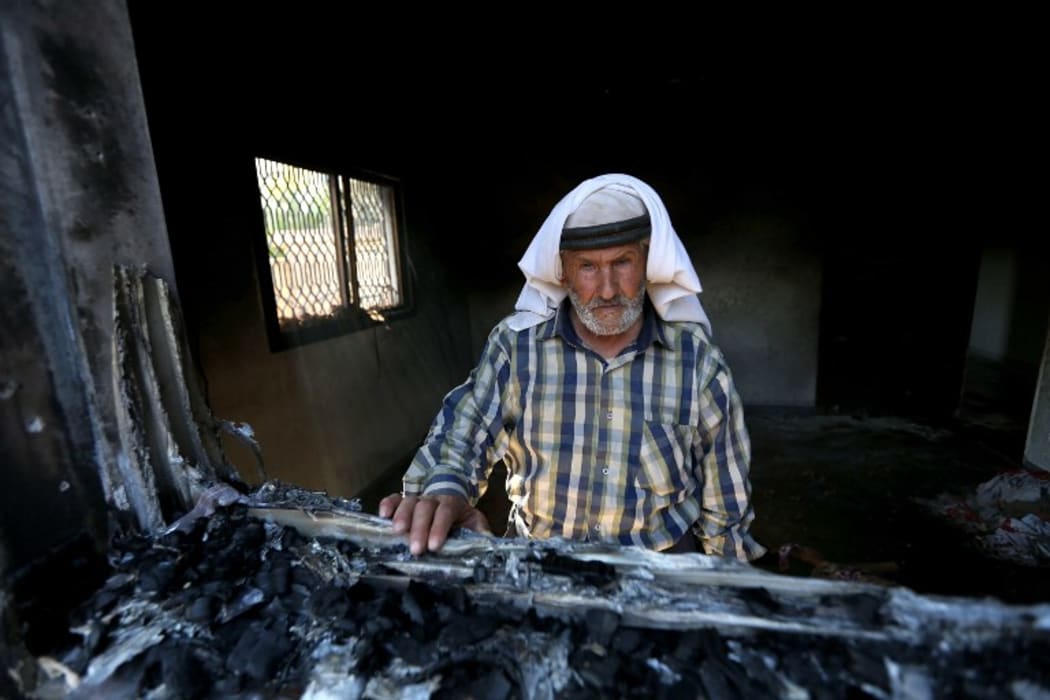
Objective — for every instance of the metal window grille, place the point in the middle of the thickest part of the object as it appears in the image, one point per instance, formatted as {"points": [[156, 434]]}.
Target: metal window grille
{"points": [[332, 244]]}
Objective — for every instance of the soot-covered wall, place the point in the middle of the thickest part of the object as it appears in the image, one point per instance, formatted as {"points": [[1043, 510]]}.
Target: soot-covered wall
{"points": [[329, 415], [823, 219], [79, 196]]}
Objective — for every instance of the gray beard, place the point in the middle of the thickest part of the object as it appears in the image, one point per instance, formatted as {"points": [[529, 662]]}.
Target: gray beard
{"points": [[632, 311]]}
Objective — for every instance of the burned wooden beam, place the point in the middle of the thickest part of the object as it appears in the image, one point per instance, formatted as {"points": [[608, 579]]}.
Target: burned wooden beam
{"points": [[169, 444], [283, 593]]}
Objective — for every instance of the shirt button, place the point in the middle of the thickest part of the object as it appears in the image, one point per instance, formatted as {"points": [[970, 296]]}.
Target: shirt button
{"points": [[608, 415], [597, 527], [605, 470]]}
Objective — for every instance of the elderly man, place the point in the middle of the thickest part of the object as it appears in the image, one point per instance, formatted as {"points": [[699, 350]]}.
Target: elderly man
{"points": [[615, 414]]}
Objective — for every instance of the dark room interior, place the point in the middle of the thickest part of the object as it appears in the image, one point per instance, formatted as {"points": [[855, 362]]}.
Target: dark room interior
{"points": [[854, 215]]}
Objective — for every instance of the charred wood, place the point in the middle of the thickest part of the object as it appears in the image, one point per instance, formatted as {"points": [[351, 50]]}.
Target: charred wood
{"points": [[265, 597]]}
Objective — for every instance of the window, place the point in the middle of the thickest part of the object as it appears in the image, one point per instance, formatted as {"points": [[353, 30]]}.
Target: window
{"points": [[333, 252]]}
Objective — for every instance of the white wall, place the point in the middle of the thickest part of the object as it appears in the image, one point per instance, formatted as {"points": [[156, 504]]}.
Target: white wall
{"points": [[990, 331], [1037, 446]]}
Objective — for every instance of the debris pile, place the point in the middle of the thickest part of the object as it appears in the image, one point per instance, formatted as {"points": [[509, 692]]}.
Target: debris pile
{"points": [[286, 594], [1008, 516]]}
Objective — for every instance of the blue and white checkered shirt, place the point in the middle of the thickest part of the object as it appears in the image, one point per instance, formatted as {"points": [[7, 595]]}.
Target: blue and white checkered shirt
{"points": [[638, 449]]}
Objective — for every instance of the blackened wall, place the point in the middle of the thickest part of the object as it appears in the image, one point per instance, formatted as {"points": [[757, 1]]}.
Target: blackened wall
{"points": [[337, 413], [819, 198], [79, 196]]}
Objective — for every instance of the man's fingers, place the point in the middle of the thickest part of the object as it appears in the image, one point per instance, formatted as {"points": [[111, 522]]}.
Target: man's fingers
{"points": [[403, 516], [448, 513], [388, 505], [429, 519], [422, 517], [477, 522]]}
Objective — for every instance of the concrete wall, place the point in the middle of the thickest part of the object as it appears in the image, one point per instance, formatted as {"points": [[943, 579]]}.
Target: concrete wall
{"points": [[990, 331], [1037, 445], [1013, 298], [336, 414], [746, 159], [1009, 325], [340, 413], [762, 291]]}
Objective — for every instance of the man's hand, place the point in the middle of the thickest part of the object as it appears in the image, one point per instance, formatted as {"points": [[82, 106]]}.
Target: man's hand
{"points": [[429, 519]]}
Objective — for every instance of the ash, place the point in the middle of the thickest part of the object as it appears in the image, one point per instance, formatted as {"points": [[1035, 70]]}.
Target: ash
{"points": [[238, 603]]}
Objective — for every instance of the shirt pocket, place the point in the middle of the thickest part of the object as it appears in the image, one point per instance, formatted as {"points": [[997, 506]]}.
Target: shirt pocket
{"points": [[665, 459]]}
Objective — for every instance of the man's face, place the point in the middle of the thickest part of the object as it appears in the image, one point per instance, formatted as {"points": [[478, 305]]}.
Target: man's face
{"points": [[606, 286]]}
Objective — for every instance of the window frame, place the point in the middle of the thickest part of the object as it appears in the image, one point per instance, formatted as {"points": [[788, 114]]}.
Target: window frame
{"points": [[356, 318]]}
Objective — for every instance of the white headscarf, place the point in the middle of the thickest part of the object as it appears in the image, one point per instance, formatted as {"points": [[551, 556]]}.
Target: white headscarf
{"points": [[671, 282]]}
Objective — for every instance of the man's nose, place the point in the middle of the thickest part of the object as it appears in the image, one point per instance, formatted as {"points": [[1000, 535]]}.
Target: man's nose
{"points": [[607, 285]]}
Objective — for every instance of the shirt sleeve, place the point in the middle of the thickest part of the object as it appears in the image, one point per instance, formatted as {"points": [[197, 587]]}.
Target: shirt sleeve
{"points": [[454, 458], [724, 460]]}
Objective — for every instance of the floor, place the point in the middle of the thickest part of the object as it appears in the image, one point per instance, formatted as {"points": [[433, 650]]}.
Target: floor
{"points": [[850, 490], [842, 496]]}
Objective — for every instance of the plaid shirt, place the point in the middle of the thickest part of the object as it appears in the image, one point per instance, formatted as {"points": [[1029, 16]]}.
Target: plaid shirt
{"points": [[638, 449]]}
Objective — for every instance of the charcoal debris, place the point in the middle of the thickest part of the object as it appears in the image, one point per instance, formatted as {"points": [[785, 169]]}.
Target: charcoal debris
{"points": [[237, 605]]}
